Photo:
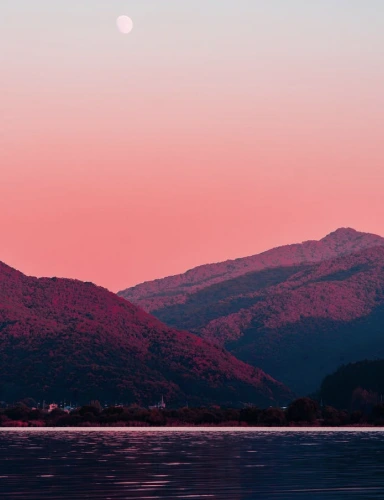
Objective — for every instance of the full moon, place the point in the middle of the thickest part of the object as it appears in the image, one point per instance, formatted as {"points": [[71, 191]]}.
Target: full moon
{"points": [[124, 24]]}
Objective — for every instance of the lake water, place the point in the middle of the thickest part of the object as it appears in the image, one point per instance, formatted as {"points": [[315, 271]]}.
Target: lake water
{"points": [[191, 464]]}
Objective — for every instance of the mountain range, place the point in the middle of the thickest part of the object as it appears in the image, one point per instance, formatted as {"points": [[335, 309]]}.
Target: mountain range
{"points": [[65, 339], [236, 332], [298, 311]]}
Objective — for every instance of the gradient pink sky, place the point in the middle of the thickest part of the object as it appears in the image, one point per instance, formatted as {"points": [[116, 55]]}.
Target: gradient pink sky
{"points": [[214, 130]]}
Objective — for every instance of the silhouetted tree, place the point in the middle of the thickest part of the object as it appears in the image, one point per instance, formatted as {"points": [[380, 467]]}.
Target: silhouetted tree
{"points": [[19, 412], [302, 410], [88, 409], [96, 404], [250, 415], [363, 400], [272, 417], [378, 414]]}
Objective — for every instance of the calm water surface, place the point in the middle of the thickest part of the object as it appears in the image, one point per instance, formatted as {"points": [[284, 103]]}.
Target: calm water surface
{"points": [[252, 465]]}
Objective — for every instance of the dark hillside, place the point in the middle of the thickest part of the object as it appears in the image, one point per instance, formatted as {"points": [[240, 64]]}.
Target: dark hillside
{"points": [[67, 339], [355, 385]]}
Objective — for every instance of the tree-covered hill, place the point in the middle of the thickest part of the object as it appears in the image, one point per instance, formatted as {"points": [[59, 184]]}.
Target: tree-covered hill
{"points": [[355, 385], [65, 339]]}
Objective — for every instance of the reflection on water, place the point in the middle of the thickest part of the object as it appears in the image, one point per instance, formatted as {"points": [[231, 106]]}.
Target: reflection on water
{"points": [[184, 465]]}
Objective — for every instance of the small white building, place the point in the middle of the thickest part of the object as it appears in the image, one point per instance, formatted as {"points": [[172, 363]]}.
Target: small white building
{"points": [[160, 406]]}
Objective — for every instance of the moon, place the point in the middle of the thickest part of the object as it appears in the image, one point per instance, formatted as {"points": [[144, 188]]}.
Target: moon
{"points": [[124, 24]]}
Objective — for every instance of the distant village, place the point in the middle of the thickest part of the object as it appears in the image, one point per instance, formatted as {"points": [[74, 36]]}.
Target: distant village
{"points": [[68, 407]]}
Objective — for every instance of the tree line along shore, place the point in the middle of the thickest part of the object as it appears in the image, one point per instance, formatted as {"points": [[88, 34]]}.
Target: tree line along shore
{"points": [[301, 412]]}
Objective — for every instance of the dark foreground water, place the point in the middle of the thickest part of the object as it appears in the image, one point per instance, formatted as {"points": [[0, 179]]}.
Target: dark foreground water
{"points": [[191, 465]]}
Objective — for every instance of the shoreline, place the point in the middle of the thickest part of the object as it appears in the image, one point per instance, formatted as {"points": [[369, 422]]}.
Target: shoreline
{"points": [[195, 429]]}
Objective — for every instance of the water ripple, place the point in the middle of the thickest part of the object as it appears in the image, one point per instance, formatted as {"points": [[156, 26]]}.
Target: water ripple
{"points": [[225, 465]]}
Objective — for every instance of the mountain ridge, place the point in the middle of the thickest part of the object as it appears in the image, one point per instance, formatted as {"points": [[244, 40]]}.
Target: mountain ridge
{"points": [[160, 293]]}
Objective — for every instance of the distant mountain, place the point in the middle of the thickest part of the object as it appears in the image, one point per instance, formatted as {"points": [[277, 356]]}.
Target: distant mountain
{"points": [[307, 326], [319, 305], [155, 295], [67, 339]]}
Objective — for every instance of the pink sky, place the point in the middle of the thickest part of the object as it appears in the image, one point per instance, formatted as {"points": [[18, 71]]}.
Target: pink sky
{"points": [[203, 135]]}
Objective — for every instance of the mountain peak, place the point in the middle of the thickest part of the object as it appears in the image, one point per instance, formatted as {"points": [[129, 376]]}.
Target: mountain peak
{"points": [[343, 232], [350, 237]]}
